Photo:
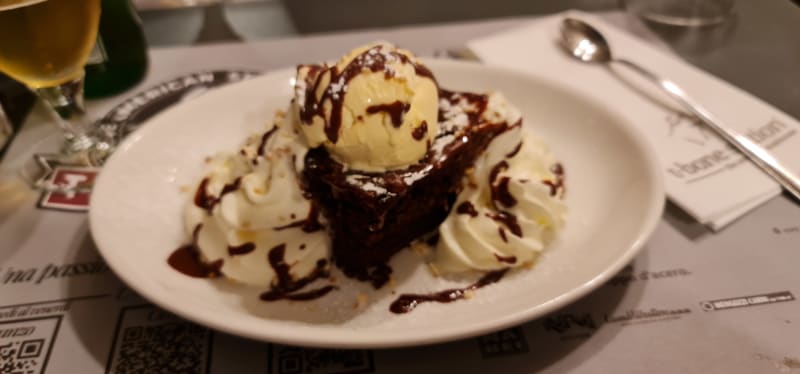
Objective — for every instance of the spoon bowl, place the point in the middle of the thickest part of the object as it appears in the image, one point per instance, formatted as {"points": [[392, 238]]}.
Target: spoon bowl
{"points": [[584, 42]]}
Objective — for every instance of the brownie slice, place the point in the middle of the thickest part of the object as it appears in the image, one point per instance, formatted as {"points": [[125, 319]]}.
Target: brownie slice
{"points": [[373, 215]]}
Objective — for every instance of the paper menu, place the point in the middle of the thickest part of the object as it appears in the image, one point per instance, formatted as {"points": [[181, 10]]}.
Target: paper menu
{"points": [[703, 175]]}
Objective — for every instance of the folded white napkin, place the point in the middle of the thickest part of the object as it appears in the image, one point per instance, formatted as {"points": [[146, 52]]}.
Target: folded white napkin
{"points": [[703, 175]]}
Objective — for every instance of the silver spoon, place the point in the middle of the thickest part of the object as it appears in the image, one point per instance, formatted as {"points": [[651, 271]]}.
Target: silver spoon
{"points": [[585, 43]]}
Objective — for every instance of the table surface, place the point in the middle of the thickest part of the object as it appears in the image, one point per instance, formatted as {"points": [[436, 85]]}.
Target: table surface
{"points": [[692, 301]]}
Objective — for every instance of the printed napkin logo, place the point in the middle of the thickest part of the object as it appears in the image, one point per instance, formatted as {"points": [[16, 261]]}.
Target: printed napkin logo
{"points": [[717, 156], [688, 128]]}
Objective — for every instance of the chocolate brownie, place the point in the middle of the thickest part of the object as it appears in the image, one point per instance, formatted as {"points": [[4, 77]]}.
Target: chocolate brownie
{"points": [[374, 215]]}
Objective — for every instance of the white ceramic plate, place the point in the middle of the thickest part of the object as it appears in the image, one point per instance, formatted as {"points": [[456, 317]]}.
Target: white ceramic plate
{"points": [[614, 193]]}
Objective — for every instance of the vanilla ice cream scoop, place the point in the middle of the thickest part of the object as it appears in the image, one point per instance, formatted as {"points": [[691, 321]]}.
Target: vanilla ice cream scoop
{"points": [[375, 110]]}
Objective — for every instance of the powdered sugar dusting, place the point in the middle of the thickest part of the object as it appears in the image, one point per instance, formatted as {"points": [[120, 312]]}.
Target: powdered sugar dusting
{"points": [[366, 183]]}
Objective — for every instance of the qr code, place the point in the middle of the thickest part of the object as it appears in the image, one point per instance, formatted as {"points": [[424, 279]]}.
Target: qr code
{"points": [[149, 340], [25, 344], [297, 360]]}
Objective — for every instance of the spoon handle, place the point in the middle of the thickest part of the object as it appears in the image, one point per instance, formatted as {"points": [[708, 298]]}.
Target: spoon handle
{"points": [[757, 154]]}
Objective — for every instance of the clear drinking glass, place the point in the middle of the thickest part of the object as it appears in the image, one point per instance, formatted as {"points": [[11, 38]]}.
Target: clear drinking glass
{"points": [[682, 12], [45, 44]]}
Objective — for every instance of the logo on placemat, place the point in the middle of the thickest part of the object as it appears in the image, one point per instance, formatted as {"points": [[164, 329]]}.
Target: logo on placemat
{"points": [[503, 343], [128, 115], [637, 316], [284, 359], [570, 325], [75, 182], [746, 301]]}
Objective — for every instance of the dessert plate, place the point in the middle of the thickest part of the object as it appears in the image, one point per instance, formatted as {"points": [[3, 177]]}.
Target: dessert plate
{"points": [[614, 194]]}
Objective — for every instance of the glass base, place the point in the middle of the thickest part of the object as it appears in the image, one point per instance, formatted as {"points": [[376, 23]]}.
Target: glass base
{"points": [[42, 166], [86, 150], [685, 13]]}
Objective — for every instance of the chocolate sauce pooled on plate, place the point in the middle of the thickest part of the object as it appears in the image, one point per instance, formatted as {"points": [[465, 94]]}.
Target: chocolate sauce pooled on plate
{"points": [[186, 260], [395, 110], [407, 302], [334, 93]]}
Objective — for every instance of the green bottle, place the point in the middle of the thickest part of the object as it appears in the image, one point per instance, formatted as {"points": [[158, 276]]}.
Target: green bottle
{"points": [[119, 58]]}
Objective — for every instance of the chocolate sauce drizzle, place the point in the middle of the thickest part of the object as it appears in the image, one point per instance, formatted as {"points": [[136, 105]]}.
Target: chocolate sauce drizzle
{"points": [[502, 194], [502, 233], [286, 285], [186, 260], [308, 224], [499, 190], [202, 199], [420, 131], [265, 139], [374, 59], [396, 110], [496, 170], [205, 201], [467, 208], [507, 259], [515, 151], [241, 249], [407, 302], [508, 220], [558, 183]]}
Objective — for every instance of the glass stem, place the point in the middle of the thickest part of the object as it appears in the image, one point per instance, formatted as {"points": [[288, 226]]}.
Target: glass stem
{"points": [[66, 100], [84, 143]]}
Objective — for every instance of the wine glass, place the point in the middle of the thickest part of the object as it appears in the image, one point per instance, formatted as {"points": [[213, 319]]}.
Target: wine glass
{"points": [[44, 44]]}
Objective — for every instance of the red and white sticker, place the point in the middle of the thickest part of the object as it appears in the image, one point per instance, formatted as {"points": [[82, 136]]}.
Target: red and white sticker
{"points": [[69, 177]]}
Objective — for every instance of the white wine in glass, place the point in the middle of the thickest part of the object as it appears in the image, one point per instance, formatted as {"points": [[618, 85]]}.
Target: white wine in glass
{"points": [[45, 44]]}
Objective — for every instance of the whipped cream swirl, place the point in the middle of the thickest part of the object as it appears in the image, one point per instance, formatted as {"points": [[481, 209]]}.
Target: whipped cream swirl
{"points": [[510, 208], [251, 208]]}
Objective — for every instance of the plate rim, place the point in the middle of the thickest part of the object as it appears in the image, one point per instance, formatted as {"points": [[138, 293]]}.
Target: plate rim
{"points": [[357, 339]]}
